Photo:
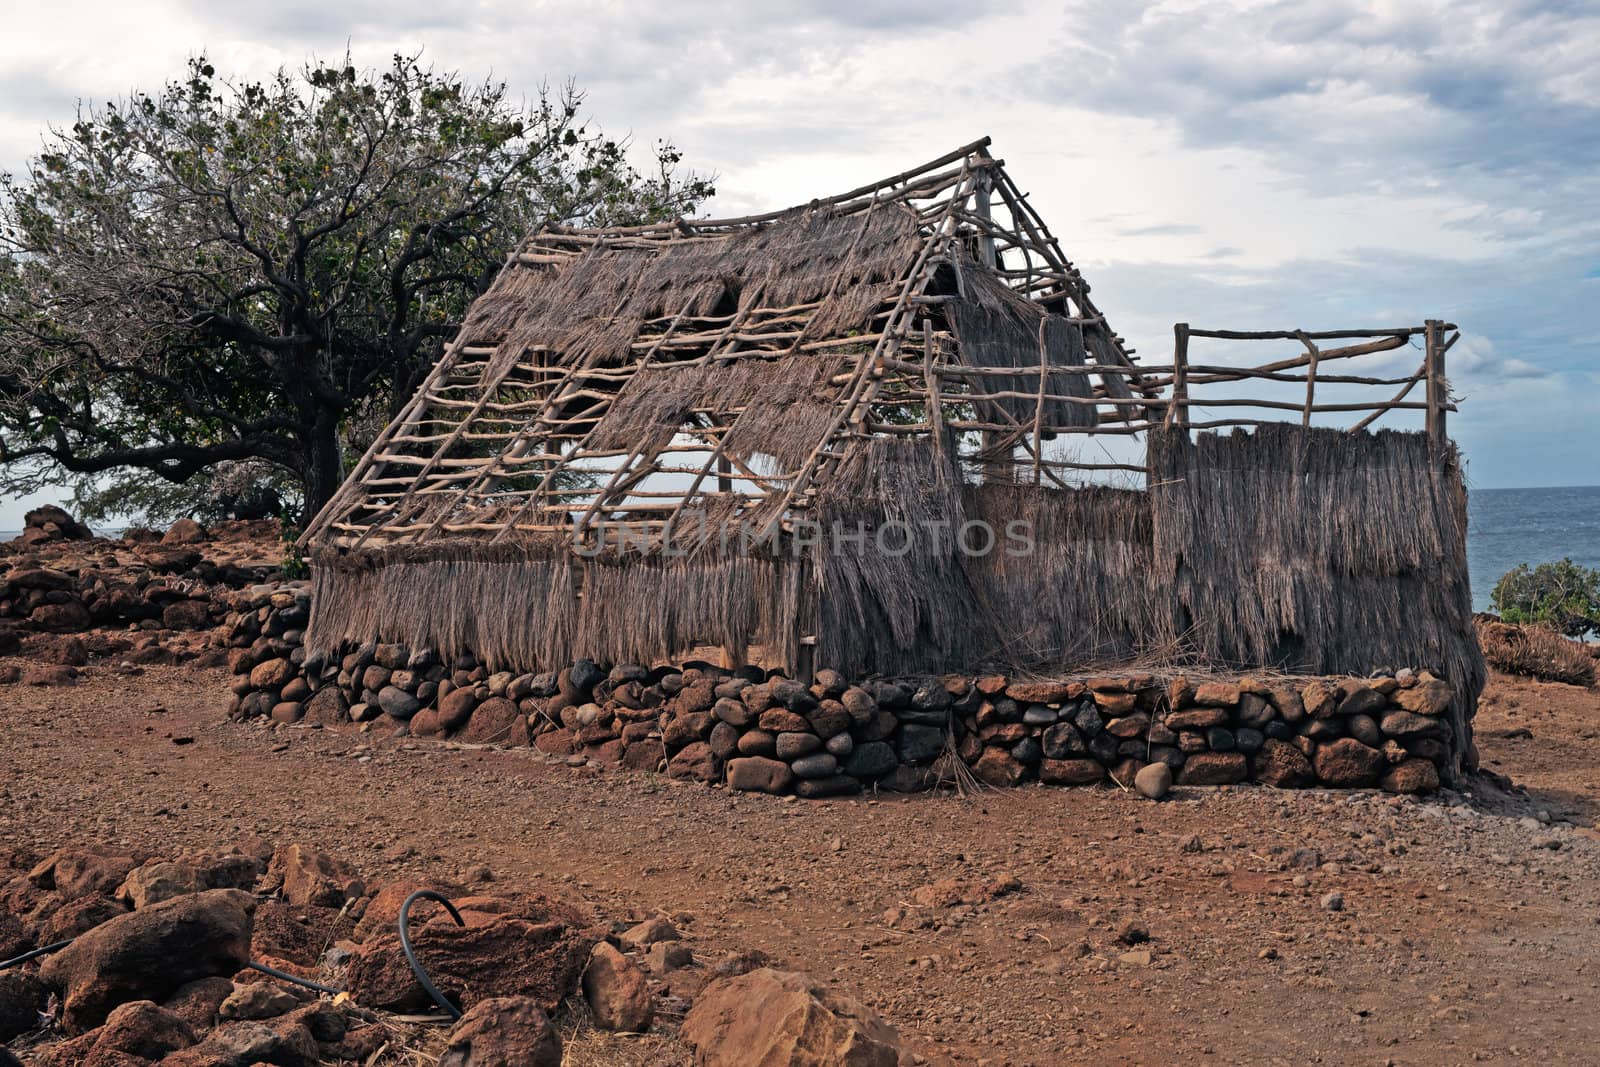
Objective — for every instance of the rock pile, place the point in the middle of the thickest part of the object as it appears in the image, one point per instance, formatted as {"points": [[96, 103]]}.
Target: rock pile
{"points": [[762, 732], [50, 523], [156, 969], [160, 971], [68, 599]]}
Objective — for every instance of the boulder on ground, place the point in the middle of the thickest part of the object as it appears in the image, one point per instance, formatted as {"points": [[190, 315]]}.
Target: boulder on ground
{"points": [[871, 759], [1071, 771], [1153, 781], [383, 910], [1411, 776], [780, 1017], [541, 957], [155, 882], [496, 721], [695, 761], [186, 615], [617, 992], [503, 1032], [1282, 765], [77, 873], [327, 707], [147, 954], [642, 935], [310, 877], [758, 774], [185, 532], [75, 917], [258, 1000], [996, 767], [245, 1044], [68, 617]]}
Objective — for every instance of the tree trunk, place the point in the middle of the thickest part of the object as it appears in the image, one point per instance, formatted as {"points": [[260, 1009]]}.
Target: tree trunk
{"points": [[324, 471]]}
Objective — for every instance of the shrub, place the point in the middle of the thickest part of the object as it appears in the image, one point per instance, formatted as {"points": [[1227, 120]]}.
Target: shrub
{"points": [[1535, 652], [1562, 596]]}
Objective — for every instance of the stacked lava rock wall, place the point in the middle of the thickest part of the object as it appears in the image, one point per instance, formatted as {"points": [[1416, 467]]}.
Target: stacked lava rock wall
{"points": [[760, 731]]}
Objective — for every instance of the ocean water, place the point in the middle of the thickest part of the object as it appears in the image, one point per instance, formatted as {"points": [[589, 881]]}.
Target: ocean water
{"points": [[1505, 527]]}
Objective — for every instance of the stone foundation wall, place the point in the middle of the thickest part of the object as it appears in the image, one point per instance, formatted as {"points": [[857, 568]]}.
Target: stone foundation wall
{"points": [[834, 737]]}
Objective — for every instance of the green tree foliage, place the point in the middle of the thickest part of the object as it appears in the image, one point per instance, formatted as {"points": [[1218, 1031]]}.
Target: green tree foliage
{"points": [[1561, 595], [238, 273]]}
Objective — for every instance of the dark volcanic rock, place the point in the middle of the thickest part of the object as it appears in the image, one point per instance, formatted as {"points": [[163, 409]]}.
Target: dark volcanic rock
{"points": [[149, 953], [503, 1032], [1282, 765], [1347, 762], [539, 954], [1213, 768]]}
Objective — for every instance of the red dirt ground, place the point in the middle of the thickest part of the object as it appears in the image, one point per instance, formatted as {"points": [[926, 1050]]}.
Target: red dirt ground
{"points": [[1468, 931]]}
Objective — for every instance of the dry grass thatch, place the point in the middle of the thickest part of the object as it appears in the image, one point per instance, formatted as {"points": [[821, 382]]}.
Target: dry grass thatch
{"points": [[598, 304], [519, 605], [1317, 551], [1535, 652], [995, 326]]}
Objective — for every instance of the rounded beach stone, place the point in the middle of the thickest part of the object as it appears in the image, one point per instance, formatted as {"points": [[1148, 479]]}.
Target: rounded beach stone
{"points": [[1153, 781]]}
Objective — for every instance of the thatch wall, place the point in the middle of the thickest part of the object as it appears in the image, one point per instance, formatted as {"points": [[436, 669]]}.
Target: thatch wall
{"points": [[516, 606], [998, 327], [1307, 550], [1316, 550], [1082, 594], [894, 612]]}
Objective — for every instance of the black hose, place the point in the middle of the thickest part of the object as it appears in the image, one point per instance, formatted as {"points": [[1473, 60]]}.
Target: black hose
{"points": [[405, 944], [411, 957], [45, 950], [287, 977]]}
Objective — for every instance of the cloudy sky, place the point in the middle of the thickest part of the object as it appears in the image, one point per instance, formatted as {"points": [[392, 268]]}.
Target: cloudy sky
{"points": [[1245, 165]]}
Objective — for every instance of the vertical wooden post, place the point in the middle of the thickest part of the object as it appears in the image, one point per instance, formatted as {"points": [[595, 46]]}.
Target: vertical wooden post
{"points": [[1178, 406], [999, 464], [997, 468], [1038, 408], [1438, 390], [983, 209], [806, 623], [930, 382], [1312, 355]]}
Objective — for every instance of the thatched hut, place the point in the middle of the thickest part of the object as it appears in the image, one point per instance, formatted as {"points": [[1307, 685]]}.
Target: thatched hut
{"points": [[653, 439]]}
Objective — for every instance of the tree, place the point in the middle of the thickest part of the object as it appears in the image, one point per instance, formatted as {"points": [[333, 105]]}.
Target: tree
{"points": [[228, 273], [1561, 595]]}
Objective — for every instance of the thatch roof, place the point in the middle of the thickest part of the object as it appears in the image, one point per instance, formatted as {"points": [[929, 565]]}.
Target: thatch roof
{"points": [[644, 375]]}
